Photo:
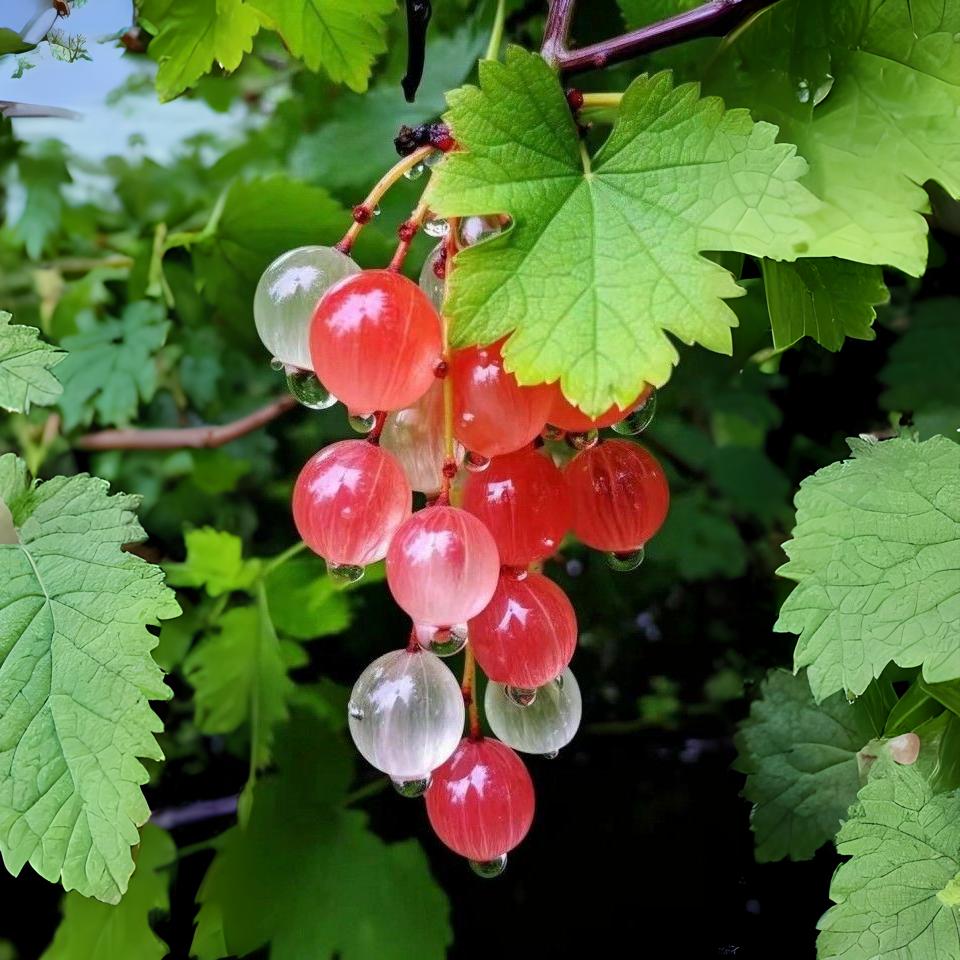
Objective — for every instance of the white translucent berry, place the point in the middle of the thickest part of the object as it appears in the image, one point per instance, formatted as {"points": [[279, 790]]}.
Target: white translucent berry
{"points": [[286, 295], [406, 714], [431, 283], [414, 436], [545, 725]]}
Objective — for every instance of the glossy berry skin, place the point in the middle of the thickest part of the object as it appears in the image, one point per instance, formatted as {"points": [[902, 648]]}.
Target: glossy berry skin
{"points": [[527, 634], [566, 416], [493, 414], [442, 566], [620, 495], [522, 499], [375, 341], [481, 802], [348, 501], [546, 725]]}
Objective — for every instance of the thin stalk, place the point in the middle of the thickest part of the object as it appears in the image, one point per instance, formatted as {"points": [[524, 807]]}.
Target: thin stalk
{"points": [[408, 230], [281, 558], [496, 32]]}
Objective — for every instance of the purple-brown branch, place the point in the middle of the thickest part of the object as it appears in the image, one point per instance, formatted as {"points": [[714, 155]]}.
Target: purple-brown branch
{"points": [[712, 19], [206, 436]]}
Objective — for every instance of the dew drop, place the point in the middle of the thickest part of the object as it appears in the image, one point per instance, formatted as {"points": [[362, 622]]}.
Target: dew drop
{"points": [[803, 91], [276, 364], [625, 562], [476, 463], [344, 573], [362, 423], [521, 696], [377, 211], [433, 159], [415, 172], [638, 420], [489, 868], [436, 228], [354, 711], [443, 641], [552, 755], [308, 390], [550, 432], [583, 441], [411, 788]]}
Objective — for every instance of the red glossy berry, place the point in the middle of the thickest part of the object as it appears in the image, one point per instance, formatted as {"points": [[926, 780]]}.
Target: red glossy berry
{"points": [[566, 416], [348, 501], [522, 499], [375, 341], [493, 414], [481, 802], [442, 566], [527, 634], [620, 495]]}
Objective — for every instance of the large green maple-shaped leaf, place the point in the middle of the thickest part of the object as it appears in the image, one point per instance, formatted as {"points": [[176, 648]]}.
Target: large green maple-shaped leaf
{"points": [[823, 298], [801, 765], [875, 553], [313, 860], [195, 33], [604, 256], [342, 38], [76, 678], [898, 895], [97, 930], [25, 362], [111, 366], [869, 91]]}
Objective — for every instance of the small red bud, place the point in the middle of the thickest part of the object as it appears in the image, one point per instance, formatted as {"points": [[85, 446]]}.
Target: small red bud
{"points": [[449, 469], [574, 99], [362, 213], [441, 370], [407, 231]]}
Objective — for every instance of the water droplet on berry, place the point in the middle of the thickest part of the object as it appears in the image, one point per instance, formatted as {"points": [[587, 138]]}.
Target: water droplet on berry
{"points": [[377, 211], [638, 420], [344, 573], [431, 160], [489, 868], [625, 562], [443, 641], [362, 423], [521, 696], [308, 390], [354, 711], [415, 172], [559, 682], [276, 364], [552, 755], [583, 441], [476, 463], [436, 228], [411, 788]]}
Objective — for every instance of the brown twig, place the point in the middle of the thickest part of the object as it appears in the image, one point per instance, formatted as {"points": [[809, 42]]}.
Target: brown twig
{"points": [[715, 18], [206, 436]]}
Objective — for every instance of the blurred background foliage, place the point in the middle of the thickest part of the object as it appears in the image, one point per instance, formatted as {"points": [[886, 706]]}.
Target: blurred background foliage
{"points": [[135, 242]]}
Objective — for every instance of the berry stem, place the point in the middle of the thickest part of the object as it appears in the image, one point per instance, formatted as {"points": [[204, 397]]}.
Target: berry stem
{"points": [[449, 444], [406, 232], [468, 686], [379, 190], [600, 101], [711, 19], [496, 31]]}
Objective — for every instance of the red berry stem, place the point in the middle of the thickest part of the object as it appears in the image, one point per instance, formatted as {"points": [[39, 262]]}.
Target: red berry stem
{"points": [[449, 470], [406, 232], [379, 419], [468, 687]]}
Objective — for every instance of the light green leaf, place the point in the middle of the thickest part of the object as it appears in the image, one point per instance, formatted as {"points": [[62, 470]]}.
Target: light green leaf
{"points": [[875, 553], [195, 33], [898, 895], [76, 678], [238, 675], [314, 860], [43, 172], [215, 562], [869, 92], [305, 602], [25, 362], [801, 765], [921, 369], [12, 42], [96, 930], [826, 299], [342, 39], [111, 366], [604, 256]]}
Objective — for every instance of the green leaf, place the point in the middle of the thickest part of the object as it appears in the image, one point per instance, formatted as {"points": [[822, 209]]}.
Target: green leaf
{"points": [[921, 369], [43, 171], [12, 42], [122, 932], [111, 366], [214, 562], [750, 481], [828, 300], [195, 33], [875, 554], [342, 39], [801, 765], [640, 13], [25, 362], [869, 92], [898, 894], [238, 675], [75, 680], [604, 255], [313, 861], [305, 602]]}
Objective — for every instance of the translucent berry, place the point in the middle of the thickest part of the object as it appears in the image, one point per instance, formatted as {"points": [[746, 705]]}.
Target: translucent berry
{"points": [[542, 727]]}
